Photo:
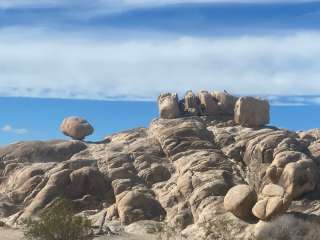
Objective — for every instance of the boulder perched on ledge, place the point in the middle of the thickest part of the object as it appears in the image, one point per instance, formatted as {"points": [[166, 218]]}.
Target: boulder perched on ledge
{"points": [[76, 128], [168, 105], [252, 112]]}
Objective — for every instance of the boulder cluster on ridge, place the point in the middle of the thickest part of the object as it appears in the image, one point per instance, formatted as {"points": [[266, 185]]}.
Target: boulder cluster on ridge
{"points": [[210, 167]]}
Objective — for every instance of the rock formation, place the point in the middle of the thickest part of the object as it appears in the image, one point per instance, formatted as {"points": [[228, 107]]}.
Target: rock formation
{"points": [[251, 111], [246, 111], [204, 168], [168, 105], [225, 101], [191, 104], [273, 201], [76, 127], [209, 104], [240, 200]]}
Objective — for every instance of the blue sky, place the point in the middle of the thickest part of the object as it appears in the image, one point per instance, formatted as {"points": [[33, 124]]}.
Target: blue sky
{"points": [[39, 119], [125, 50]]}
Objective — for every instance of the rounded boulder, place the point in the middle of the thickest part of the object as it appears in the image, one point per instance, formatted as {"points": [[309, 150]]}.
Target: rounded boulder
{"points": [[76, 128], [240, 200]]}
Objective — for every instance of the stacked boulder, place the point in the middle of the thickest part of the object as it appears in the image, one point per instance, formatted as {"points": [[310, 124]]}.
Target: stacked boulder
{"points": [[295, 172], [280, 169], [243, 202], [203, 103], [273, 201], [246, 111]]}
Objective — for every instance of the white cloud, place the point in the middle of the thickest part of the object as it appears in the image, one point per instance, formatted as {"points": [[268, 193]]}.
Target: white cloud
{"points": [[288, 100], [156, 3], [315, 100], [9, 129], [293, 100], [41, 64]]}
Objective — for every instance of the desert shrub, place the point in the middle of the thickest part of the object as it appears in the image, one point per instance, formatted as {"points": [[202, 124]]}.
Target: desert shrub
{"points": [[58, 223], [170, 233], [220, 229], [288, 227]]}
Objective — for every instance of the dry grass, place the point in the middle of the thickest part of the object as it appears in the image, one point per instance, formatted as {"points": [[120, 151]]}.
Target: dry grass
{"points": [[288, 227]]}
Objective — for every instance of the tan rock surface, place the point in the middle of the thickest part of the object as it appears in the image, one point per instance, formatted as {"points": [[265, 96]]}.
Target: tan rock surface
{"points": [[168, 106], [177, 172], [239, 200], [76, 128], [251, 112]]}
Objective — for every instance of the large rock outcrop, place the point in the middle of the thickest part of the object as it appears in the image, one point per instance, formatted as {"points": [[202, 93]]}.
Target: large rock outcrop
{"points": [[40, 151], [194, 170]]}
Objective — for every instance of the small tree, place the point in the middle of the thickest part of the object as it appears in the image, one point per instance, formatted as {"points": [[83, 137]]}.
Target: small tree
{"points": [[58, 223]]}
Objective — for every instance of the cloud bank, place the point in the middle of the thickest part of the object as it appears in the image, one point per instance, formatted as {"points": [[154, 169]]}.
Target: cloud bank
{"points": [[9, 129], [46, 65]]}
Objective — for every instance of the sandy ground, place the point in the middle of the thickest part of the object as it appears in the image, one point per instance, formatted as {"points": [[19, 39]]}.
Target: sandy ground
{"points": [[14, 234], [123, 237], [10, 234]]}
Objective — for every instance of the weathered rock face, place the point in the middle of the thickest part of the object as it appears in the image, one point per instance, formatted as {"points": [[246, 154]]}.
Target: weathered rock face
{"points": [[191, 104], [135, 205], [270, 207], [205, 176], [273, 202], [76, 128], [251, 112], [40, 151], [266, 152], [246, 111], [299, 177], [168, 105], [209, 105], [88, 180], [314, 149], [311, 135], [226, 101], [201, 104]]}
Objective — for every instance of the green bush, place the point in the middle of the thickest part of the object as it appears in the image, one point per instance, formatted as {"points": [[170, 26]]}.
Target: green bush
{"points": [[58, 223]]}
